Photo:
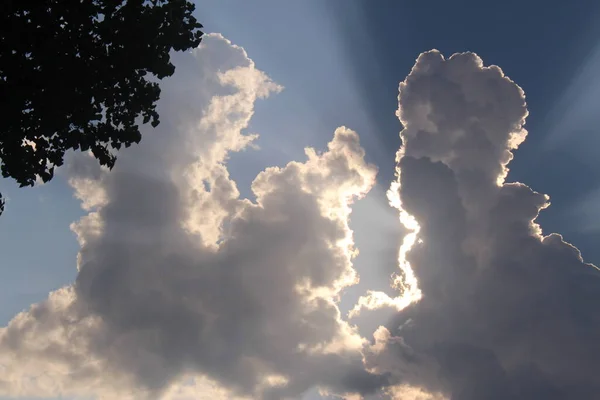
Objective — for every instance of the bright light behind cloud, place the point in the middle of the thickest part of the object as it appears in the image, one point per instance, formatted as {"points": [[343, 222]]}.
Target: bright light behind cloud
{"points": [[186, 290], [502, 306], [405, 281]]}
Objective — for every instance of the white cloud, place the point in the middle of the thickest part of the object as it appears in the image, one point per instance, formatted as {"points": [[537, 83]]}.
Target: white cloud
{"points": [[185, 288], [505, 311]]}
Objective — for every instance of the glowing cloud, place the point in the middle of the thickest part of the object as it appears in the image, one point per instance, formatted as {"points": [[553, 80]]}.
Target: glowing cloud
{"points": [[505, 313], [186, 290], [405, 281]]}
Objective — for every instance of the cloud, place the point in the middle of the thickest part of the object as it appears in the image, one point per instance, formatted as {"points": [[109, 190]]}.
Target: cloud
{"points": [[505, 311], [186, 290]]}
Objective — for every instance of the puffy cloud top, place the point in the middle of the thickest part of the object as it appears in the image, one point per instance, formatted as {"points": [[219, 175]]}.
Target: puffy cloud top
{"points": [[184, 287], [185, 290], [505, 311]]}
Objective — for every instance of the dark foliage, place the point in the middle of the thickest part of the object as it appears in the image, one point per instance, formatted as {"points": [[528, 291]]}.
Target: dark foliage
{"points": [[77, 74]]}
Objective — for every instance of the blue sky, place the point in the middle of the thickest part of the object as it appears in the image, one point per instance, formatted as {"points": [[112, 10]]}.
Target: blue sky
{"points": [[340, 63]]}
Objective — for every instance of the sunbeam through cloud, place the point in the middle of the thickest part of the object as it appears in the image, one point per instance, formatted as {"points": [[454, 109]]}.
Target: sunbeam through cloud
{"points": [[197, 281]]}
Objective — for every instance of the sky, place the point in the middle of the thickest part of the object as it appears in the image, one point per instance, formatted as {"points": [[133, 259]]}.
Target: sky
{"points": [[214, 263]]}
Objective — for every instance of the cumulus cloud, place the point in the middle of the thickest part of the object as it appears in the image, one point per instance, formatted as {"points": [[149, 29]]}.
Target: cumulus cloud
{"points": [[184, 289], [505, 312]]}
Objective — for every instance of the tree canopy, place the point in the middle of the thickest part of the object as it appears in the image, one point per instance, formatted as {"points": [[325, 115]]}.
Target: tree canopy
{"points": [[81, 75]]}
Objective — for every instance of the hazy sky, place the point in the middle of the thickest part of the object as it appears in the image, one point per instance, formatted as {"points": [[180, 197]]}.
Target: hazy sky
{"points": [[177, 280]]}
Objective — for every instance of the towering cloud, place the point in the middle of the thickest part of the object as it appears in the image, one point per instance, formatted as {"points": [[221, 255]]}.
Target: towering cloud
{"points": [[505, 312], [184, 289]]}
